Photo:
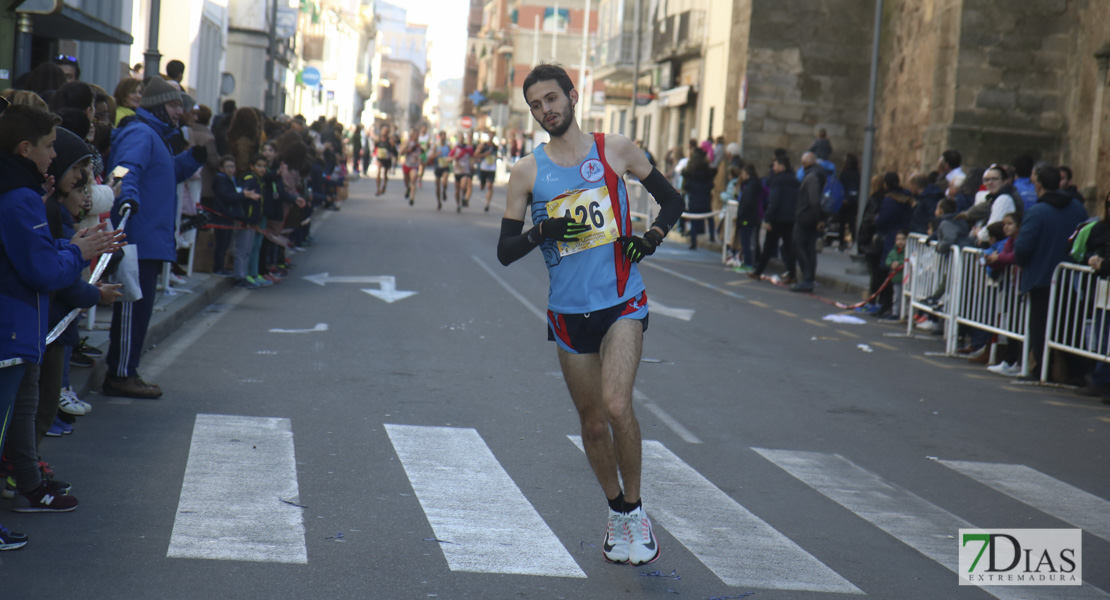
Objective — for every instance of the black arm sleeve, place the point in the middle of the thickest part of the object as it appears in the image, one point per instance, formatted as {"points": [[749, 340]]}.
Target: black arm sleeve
{"points": [[670, 201], [513, 245]]}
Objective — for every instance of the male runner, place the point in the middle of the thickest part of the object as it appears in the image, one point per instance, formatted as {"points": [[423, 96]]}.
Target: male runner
{"points": [[411, 166], [462, 155], [385, 151], [440, 154], [597, 306], [487, 166]]}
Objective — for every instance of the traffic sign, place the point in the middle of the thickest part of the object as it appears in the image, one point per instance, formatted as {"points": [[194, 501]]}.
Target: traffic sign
{"points": [[310, 76], [466, 122]]}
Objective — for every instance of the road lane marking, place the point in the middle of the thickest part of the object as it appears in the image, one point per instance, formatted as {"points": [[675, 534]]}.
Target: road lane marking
{"points": [[1047, 494], [483, 519], [665, 417], [907, 517], [318, 327], [166, 354], [655, 409], [814, 323], [684, 277], [239, 499], [739, 547], [884, 346], [847, 333], [657, 307], [512, 291], [759, 304], [785, 313]]}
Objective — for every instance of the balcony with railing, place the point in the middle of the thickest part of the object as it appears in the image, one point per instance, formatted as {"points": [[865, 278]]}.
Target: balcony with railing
{"points": [[615, 58], [680, 35]]}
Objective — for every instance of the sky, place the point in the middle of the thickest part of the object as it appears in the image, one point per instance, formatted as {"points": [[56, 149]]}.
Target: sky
{"points": [[446, 21]]}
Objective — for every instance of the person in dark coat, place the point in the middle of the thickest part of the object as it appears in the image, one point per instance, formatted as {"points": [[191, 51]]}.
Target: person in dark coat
{"points": [[778, 219], [1043, 244], [809, 221], [697, 182]]}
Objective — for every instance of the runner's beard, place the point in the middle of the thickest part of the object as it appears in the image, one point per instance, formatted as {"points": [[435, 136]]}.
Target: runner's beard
{"points": [[562, 125]]}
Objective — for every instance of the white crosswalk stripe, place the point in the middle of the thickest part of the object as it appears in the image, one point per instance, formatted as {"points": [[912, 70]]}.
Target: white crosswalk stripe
{"points": [[739, 547], [239, 471], [1047, 494], [483, 519], [923, 526]]}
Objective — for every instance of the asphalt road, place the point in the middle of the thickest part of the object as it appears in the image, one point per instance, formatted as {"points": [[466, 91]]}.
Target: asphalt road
{"points": [[425, 447]]}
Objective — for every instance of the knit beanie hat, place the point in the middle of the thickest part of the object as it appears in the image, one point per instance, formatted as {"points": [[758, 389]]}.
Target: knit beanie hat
{"points": [[157, 92], [70, 149]]}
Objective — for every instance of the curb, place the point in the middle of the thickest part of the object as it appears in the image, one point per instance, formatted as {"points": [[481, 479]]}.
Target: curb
{"points": [[162, 324]]}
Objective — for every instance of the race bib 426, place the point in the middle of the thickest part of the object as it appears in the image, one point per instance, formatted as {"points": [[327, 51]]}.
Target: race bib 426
{"points": [[592, 207]]}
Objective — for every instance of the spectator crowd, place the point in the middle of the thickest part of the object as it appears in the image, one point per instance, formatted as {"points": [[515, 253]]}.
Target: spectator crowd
{"points": [[124, 182]]}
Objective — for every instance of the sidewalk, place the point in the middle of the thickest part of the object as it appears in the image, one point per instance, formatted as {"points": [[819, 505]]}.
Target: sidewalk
{"points": [[170, 311], [835, 270]]}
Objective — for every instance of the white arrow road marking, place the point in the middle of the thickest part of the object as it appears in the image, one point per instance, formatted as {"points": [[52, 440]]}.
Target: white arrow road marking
{"points": [[318, 327], [481, 520], [239, 498], [658, 307], [387, 283]]}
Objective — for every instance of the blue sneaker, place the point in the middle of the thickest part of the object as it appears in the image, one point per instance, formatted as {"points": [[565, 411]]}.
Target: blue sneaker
{"points": [[62, 426], [10, 540]]}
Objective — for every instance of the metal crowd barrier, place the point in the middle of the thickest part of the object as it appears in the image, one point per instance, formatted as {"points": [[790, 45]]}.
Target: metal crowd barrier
{"points": [[933, 285], [991, 304], [1078, 315], [641, 206]]}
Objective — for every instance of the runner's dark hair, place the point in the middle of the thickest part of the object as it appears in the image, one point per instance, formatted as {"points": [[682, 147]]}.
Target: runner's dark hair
{"points": [[548, 72]]}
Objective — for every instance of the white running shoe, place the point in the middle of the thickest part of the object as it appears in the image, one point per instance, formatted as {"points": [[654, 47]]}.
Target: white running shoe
{"points": [[1003, 368], [68, 391], [69, 403], [643, 547], [615, 546]]}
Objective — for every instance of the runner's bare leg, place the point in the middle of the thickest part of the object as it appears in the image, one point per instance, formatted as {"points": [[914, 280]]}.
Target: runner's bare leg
{"points": [[601, 387]]}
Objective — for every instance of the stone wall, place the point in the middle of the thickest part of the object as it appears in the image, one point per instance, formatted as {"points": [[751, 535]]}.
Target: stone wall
{"points": [[917, 56], [1080, 86], [807, 67], [739, 33]]}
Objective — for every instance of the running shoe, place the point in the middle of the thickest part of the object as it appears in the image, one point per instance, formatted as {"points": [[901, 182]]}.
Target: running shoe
{"points": [[43, 499], [67, 392], [615, 547], [9, 488], [78, 359], [929, 326], [68, 403], [260, 281], [56, 430], [10, 540], [643, 547], [88, 349]]}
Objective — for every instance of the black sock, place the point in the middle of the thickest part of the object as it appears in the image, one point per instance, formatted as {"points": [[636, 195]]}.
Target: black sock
{"points": [[629, 507], [617, 504]]}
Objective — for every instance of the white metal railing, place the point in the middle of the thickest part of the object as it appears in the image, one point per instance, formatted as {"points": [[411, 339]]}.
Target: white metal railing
{"points": [[641, 205], [992, 304], [933, 285], [1078, 315]]}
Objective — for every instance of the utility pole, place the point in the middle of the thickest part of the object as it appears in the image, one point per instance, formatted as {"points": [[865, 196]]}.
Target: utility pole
{"points": [[635, 65], [582, 71], [869, 130], [270, 96], [152, 58]]}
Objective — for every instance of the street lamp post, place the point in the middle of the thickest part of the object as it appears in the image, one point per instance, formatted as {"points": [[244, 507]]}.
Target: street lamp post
{"points": [[869, 130], [152, 58]]}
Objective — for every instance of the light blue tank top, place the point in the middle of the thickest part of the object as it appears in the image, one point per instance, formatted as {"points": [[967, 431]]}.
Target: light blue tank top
{"points": [[595, 278]]}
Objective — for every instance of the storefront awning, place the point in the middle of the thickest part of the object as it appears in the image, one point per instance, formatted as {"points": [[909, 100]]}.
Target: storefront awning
{"points": [[678, 96], [58, 20]]}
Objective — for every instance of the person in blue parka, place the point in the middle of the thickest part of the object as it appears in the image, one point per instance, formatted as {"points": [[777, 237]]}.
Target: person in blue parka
{"points": [[149, 194]]}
